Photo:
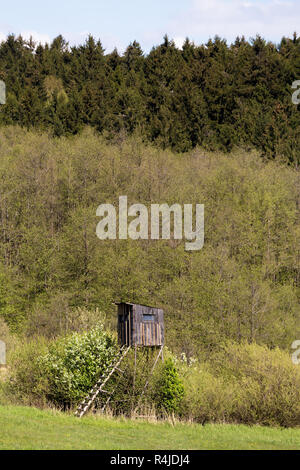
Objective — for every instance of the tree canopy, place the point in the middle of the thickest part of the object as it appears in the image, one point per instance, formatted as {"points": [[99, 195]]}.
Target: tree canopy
{"points": [[215, 95]]}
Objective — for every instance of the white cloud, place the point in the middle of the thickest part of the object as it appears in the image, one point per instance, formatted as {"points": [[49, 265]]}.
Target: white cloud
{"points": [[231, 18], [179, 41], [37, 37], [109, 42]]}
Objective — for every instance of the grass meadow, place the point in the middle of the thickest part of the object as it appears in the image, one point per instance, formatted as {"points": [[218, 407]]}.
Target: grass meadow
{"points": [[27, 428]]}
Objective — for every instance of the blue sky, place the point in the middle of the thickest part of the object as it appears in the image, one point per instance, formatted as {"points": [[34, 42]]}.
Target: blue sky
{"points": [[119, 22]]}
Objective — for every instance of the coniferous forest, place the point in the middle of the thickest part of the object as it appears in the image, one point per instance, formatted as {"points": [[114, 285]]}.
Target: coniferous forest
{"points": [[216, 95]]}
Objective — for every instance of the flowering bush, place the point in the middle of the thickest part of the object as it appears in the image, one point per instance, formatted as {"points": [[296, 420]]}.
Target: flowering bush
{"points": [[73, 364]]}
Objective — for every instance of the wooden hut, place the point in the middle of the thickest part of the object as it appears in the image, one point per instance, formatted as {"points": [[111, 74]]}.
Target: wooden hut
{"points": [[140, 325]]}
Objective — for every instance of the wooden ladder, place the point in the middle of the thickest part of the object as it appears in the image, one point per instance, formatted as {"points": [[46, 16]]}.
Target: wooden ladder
{"points": [[98, 387]]}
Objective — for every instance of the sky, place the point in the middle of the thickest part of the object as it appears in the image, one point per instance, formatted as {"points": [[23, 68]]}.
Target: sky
{"points": [[119, 22]]}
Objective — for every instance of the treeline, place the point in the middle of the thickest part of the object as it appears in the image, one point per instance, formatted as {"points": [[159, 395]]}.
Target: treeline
{"points": [[215, 95], [243, 285]]}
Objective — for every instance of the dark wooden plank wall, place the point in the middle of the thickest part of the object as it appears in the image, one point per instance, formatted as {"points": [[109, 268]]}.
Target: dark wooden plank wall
{"points": [[148, 333], [134, 330]]}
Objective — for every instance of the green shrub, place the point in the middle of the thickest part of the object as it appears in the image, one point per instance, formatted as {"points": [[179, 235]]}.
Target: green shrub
{"points": [[73, 364], [206, 399], [170, 390], [266, 382], [243, 383], [59, 372], [27, 382]]}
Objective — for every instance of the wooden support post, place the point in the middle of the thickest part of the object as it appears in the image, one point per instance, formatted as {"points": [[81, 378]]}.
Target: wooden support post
{"points": [[148, 380], [134, 373]]}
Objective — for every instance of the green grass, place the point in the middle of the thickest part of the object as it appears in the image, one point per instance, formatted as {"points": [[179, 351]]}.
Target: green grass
{"points": [[30, 428]]}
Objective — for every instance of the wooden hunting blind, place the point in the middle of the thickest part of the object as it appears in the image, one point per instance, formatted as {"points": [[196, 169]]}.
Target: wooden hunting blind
{"points": [[140, 325]]}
